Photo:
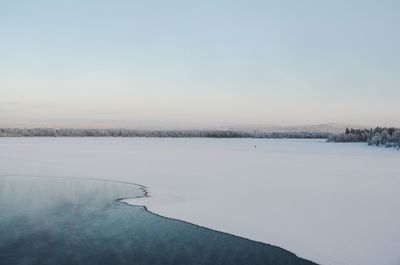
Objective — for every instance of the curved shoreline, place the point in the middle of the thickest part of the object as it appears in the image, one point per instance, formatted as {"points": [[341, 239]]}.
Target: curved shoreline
{"points": [[145, 194], [208, 228]]}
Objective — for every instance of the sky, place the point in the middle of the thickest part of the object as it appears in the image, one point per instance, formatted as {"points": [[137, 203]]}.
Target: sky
{"points": [[199, 63]]}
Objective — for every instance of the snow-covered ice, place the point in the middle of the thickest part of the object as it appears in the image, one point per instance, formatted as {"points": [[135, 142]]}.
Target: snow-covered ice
{"points": [[331, 203]]}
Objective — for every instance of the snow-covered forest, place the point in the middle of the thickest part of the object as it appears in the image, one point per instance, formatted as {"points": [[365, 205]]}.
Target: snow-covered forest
{"points": [[68, 132], [388, 137]]}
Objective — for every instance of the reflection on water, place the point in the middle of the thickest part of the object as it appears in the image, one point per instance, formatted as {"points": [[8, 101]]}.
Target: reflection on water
{"points": [[75, 221]]}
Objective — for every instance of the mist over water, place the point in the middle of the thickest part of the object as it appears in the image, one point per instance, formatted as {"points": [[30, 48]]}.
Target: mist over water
{"points": [[77, 221]]}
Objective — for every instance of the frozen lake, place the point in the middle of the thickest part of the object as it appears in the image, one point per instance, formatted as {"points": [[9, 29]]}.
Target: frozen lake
{"points": [[330, 203]]}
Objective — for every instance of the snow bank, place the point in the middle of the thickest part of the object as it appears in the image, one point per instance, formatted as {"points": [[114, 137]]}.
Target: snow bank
{"points": [[331, 203]]}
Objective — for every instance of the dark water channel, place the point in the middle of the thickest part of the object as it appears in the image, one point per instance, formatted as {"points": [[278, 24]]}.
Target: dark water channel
{"points": [[61, 221]]}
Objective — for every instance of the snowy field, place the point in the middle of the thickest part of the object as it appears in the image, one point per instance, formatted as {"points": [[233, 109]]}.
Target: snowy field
{"points": [[331, 203]]}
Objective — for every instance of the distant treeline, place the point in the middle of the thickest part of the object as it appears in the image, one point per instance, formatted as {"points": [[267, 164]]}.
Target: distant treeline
{"points": [[389, 137], [65, 132]]}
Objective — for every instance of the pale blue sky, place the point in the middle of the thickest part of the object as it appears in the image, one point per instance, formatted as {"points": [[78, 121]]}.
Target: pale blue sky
{"points": [[199, 62]]}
